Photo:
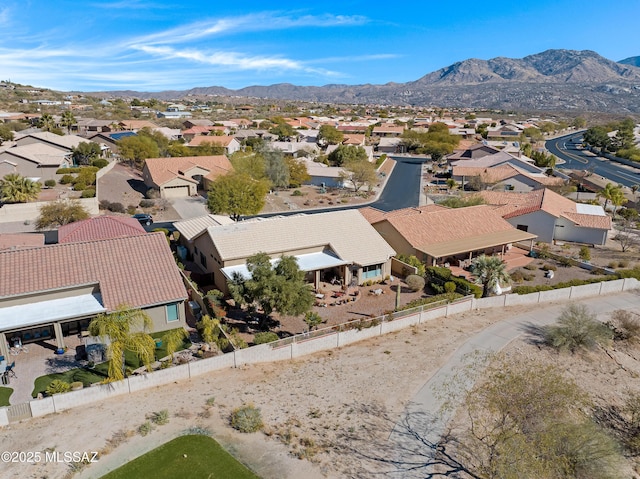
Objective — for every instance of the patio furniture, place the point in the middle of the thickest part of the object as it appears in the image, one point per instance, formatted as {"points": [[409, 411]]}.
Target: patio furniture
{"points": [[9, 370]]}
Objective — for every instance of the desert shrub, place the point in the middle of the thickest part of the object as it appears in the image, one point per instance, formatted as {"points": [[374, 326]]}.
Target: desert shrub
{"points": [[131, 210], [625, 326], [79, 186], [66, 179], [449, 287], [415, 282], [144, 203], [623, 264], [72, 169], [585, 253], [160, 418], [577, 328], [145, 428], [247, 419], [152, 193], [99, 162], [50, 183], [116, 207], [612, 264], [57, 386], [437, 276], [412, 261], [566, 262], [517, 276], [265, 337], [88, 193], [543, 252], [531, 267], [528, 276], [549, 267], [296, 193], [87, 175]]}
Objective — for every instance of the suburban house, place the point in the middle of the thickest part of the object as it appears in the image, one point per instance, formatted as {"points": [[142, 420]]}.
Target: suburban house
{"points": [[338, 245], [550, 216], [179, 177], [20, 240], [446, 236], [295, 148], [473, 152], [55, 291], [192, 227], [229, 143], [136, 125], [37, 161], [100, 227], [323, 175], [387, 130], [390, 145], [61, 142]]}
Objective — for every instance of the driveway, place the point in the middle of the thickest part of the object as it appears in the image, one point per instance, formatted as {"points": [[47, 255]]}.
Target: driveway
{"points": [[419, 430], [190, 207]]}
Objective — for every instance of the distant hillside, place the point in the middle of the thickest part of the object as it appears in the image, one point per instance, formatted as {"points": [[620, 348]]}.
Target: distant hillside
{"points": [[634, 61], [554, 80]]}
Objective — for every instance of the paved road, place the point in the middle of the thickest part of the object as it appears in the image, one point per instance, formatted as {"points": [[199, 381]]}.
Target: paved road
{"points": [[424, 419], [578, 159]]}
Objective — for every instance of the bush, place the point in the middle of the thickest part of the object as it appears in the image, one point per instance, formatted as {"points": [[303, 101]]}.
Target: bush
{"points": [[549, 267], [145, 428], [57, 386], [566, 262], [437, 276], [612, 264], [246, 419], [415, 282], [99, 162], [160, 418], [531, 267], [585, 253], [50, 183], [152, 193], [67, 179], [147, 203], [449, 287], [114, 207], [517, 276], [577, 328], [296, 193], [265, 337], [625, 326], [79, 186], [131, 210], [88, 193], [412, 260], [62, 171]]}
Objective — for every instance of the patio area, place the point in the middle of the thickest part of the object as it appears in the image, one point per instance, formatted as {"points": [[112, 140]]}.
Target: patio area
{"points": [[514, 258]]}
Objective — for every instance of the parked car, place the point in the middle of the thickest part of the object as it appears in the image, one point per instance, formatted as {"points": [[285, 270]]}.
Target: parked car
{"points": [[144, 218]]}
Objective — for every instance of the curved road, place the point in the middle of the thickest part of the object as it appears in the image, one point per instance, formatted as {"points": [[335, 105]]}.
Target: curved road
{"points": [[419, 430], [566, 148]]}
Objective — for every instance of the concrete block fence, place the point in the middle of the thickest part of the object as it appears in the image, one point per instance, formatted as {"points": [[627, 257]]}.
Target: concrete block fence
{"points": [[309, 343]]}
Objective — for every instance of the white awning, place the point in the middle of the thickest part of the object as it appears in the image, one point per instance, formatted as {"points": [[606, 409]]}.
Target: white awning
{"points": [[306, 262], [42, 312]]}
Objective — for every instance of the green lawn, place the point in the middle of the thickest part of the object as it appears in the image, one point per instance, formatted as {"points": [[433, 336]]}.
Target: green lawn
{"points": [[85, 376], [5, 394], [205, 459]]}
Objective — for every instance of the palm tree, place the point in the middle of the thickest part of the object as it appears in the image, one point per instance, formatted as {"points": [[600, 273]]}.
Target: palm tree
{"points": [[491, 271], [117, 329], [46, 122], [607, 193], [68, 120], [173, 340], [18, 189], [617, 199]]}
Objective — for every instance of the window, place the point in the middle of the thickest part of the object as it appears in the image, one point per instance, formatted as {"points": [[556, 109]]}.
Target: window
{"points": [[203, 260], [172, 312], [523, 227], [371, 271]]}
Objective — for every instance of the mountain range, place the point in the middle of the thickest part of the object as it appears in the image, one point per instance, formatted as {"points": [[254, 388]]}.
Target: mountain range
{"points": [[554, 80]]}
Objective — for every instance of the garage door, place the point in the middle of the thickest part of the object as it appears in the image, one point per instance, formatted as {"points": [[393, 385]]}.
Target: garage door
{"points": [[176, 191]]}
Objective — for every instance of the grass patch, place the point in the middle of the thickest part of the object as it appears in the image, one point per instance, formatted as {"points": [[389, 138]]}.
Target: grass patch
{"points": [[5, 394], [205, 459], [85, 376]]}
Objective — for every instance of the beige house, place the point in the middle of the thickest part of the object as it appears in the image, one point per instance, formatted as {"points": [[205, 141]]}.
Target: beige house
{"points": [[37, 161], [229, 143], [179, 177], [446, 236], [336, 245], [54, 291]]}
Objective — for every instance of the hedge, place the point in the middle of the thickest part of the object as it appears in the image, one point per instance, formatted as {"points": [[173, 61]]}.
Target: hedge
{"points": [[623, 273], [437, 276]]}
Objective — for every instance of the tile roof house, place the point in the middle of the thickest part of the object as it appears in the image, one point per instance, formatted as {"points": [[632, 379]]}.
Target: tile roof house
{"points": [[551, 216], [55, 290], [37, 161], [20, 240], [179, 177], [135, 125], [100, 227], [62, 142], [229, 143], [473, 152], [339, 244], [438, 235]]}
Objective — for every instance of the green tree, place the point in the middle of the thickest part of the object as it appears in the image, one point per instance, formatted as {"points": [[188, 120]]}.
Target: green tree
{"points": [[138, 148], [312, 319], [359, 173], [283, 130], [46, 122], [490, 271], [236, 195], [85, 152], [275, 167], [347, 153], [59, 213], [125, 330], [249, 163], [18, 189], [330, 135], [298, 174], [617, 200], [576, 328], [173, 339], [609, 192], [6, 133], [597, 137], [68, 120]]}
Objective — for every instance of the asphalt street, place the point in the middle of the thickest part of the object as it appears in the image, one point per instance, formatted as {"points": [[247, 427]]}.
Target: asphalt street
{"points": [[568, 148]]}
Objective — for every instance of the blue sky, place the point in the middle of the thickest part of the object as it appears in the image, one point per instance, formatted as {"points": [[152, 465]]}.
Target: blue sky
{"points": [[152, 45]]}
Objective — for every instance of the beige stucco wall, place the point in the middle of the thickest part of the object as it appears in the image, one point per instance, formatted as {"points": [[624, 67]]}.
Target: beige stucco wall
{"points": [[395, 239], [33, 170], [158, 315]]}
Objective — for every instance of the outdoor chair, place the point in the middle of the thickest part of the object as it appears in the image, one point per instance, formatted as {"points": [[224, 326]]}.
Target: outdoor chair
{"points": [[9, 370]]}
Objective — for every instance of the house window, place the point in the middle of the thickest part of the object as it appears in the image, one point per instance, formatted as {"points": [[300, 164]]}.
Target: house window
{"points": [[203, 260], [371, 271], [172, 312], [523, 227]]}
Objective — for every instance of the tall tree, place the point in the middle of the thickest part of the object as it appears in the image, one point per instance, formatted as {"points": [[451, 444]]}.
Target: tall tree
{"points": [[46, 122], [6, 133], [330, 135], [608, 193], [59, 213], [138, 148], [490, 271], [359, 173], [275, 166], [85, 152], [237, 194], [617, 200], [125, 329], [68, 120], [298, 173], [18, 189], [346, 153]]}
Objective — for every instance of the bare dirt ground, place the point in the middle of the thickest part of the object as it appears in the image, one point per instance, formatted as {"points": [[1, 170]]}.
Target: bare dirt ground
{"points": [[309, 406]]}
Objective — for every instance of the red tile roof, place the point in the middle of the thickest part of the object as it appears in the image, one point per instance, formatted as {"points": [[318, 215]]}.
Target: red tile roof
{"points": [[162, 170], [21, 240], [135, 270], [100, 227]]}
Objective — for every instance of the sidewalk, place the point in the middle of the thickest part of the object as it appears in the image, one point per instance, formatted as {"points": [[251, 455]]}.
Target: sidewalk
{"points": [[424, 418]]}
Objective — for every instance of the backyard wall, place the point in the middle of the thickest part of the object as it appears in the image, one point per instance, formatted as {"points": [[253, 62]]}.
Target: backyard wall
{"points": [[309, 343]]}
